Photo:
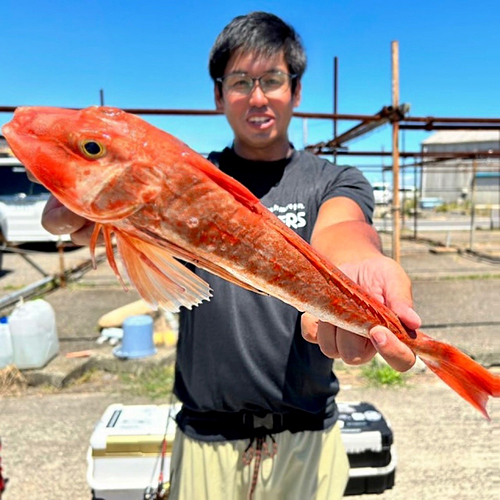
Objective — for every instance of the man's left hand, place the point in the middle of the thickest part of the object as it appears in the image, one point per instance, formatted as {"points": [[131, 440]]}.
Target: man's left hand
{"points": [[382, 278]]}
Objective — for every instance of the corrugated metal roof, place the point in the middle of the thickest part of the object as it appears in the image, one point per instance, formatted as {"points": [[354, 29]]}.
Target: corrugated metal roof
{"points": [[460, 136]]}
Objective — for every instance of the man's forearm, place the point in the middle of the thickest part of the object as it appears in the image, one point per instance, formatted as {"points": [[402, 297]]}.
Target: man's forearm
{"points": [[347, 241]]}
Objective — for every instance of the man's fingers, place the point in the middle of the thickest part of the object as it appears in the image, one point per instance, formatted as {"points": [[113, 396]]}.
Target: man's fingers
{"points": [[327, 339], [398, 355], [335, 342], [309, 325], [57, 219], [83, 235], [406, 314], [354, 349]]}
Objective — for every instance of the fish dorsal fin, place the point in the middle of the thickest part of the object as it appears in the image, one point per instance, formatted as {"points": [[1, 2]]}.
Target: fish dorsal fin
{"points": [[160, 280], [240, 192], [250, 201], [247, 198], [330, 272]]}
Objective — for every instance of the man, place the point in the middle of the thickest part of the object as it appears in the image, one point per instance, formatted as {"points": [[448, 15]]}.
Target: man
{"points": [[259, 413]]}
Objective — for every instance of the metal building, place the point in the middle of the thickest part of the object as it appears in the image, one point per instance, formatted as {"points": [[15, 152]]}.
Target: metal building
{"points": [[452, 179]]}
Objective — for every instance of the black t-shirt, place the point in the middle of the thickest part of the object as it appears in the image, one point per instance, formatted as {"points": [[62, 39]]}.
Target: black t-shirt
{"points": [[243, 351]]}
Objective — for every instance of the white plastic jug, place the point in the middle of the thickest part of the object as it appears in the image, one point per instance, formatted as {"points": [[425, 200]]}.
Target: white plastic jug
{"points": [[34, 334], [6, 354]]}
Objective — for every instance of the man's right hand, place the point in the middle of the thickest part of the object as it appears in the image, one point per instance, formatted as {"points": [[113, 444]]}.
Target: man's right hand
{"points": [[57, 219]]}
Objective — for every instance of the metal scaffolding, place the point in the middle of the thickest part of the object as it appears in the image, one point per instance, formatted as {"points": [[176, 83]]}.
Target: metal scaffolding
{"points": [[396, 115]]}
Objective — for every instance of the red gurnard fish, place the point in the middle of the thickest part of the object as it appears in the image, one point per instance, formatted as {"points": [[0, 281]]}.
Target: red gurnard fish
{"points": [[163, 202]]}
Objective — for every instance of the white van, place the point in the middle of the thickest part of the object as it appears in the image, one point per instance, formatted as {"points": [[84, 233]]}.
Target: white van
{"points": [[22, 203], [382, 192]]}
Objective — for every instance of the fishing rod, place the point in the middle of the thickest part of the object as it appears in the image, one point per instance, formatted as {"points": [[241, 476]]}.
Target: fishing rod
{"points": [[162, 490]]}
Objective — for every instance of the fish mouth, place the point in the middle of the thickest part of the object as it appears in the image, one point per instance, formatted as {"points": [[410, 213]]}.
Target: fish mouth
{"points": [[29, 124], [16, 139]]}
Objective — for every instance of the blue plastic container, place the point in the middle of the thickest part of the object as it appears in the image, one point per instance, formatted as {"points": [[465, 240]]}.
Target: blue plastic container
{"points": [[137, 339]]}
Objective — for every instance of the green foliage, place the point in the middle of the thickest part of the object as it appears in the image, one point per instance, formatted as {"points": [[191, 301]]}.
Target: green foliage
{"points": [[155, 383], [444, 208], [409, 206], [462, 207], [381, 374]]}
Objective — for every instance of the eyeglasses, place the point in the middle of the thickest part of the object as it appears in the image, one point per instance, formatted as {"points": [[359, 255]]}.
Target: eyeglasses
{"points": [[271, 83]]}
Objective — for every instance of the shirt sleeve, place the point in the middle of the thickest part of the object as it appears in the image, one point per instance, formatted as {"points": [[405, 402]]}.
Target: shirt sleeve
{"points": [[343, 180]]}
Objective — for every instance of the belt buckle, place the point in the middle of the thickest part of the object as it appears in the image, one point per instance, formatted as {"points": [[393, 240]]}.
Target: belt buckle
{"points": [[268, 421]]}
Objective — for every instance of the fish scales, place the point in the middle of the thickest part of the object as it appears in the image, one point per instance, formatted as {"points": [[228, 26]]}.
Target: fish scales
{"points": [[231, 234]]}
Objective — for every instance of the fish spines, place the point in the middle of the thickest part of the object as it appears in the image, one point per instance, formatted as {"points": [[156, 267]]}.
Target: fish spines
{"points": [[357, 294]]}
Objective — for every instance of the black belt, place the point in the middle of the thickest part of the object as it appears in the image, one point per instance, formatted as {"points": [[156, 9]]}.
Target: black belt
{"points": [[217, 426]]}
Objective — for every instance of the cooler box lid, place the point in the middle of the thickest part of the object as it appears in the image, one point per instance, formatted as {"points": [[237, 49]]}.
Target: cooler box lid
{"points": [[364, 428], [136, 430]]}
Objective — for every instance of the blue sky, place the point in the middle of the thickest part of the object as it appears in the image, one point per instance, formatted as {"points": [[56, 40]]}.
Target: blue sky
{"points": [[154, 54]]}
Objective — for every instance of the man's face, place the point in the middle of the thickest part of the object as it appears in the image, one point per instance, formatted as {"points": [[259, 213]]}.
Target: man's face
{"points": [[259, 121]]}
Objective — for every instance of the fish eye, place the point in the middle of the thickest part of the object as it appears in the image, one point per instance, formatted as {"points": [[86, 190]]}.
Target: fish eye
{"points": [[92, 149]]}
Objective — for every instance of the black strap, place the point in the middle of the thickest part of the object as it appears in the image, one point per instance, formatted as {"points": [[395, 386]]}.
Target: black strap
{"points": [[243, 425]]}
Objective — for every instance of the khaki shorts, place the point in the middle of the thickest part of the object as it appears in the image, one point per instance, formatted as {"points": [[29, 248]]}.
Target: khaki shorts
{"points": [[307, 465]]}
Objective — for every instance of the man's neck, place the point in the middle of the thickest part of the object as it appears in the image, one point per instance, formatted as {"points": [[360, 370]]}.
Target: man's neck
{"points": [[272, 153]]}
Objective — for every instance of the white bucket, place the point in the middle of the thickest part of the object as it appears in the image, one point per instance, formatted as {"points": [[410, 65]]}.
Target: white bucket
{"points": [[6, 354], [34, 334]]}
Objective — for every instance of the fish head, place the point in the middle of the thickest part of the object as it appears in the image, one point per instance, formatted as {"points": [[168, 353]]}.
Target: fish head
{"points": [[94, 160]]}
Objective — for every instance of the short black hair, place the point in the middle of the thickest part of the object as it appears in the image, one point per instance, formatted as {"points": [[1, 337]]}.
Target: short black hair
{"points": [[263, 34]]}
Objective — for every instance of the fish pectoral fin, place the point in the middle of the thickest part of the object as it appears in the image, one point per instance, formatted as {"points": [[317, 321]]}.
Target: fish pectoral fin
{"points": [[160, 280]]}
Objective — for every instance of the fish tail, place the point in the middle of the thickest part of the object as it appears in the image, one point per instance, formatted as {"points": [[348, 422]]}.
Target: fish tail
{"points": [[464, 375]]}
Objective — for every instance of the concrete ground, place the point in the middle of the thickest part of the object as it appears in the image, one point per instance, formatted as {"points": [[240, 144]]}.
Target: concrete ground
{"points": [[445, 448]]}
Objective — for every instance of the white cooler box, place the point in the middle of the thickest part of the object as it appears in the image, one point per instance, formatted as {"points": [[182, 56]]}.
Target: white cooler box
{"points": [[124, 456]]}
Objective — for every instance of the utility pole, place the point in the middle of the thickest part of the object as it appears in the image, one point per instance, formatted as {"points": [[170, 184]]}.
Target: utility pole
{"points": [[472, 204], [396, 253]]}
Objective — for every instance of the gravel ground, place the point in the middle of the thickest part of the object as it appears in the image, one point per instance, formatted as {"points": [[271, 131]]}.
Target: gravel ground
{"points": [[445, 449]]}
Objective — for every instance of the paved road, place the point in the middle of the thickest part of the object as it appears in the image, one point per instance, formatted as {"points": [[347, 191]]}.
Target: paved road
{"points": [[446, 224], [444, 451]]}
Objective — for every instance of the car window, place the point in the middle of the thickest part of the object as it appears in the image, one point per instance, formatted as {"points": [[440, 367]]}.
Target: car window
{"points": [[15, 182]]}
